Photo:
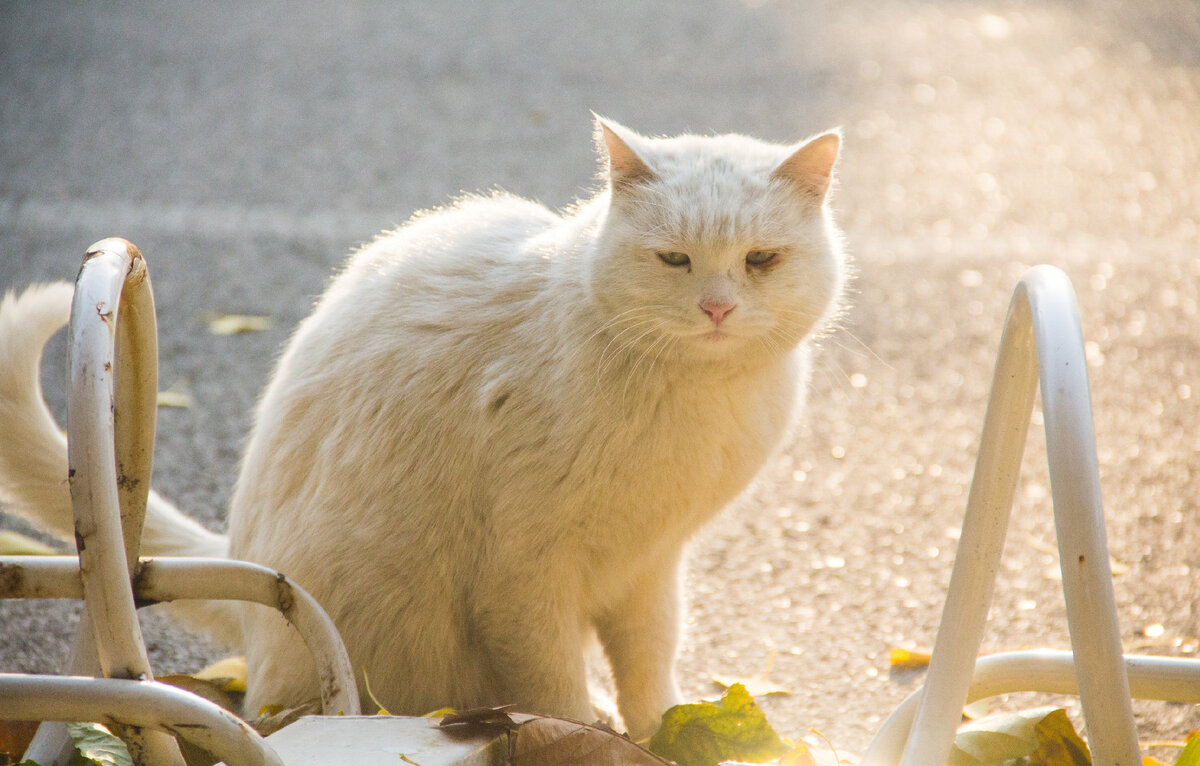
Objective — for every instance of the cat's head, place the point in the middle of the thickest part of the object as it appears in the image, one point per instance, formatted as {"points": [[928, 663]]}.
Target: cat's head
{"points": [[716, 246]]}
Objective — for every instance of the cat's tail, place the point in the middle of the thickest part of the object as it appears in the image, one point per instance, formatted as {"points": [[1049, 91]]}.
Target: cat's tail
{"points": [[33, 451]]}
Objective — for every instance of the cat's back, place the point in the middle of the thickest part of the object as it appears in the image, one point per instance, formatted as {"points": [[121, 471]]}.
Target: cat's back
{"points": [[469, 239]]}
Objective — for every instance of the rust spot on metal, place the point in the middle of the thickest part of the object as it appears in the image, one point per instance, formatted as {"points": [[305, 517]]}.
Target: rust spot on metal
{"points": [[12, 579], [137, 272], [284, 599], [137, 580]]}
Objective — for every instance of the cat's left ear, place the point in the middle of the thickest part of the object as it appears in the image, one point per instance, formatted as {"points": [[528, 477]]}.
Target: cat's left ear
{"points": [[810, 168], [623, 165]]}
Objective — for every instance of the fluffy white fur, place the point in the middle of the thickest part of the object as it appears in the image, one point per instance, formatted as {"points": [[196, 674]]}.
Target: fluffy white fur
{"points": [[501, 424]]}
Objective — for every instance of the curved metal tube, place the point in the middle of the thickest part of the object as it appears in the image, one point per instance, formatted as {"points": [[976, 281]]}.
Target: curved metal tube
{"points": [[111, 326], [1042, 339], [171, 579], [138, 703], [1049, 671]]}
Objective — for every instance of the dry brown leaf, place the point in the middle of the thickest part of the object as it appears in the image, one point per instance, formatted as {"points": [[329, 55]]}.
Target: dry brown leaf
{"points": [[272, 718], [480, 716], [559, 742]]}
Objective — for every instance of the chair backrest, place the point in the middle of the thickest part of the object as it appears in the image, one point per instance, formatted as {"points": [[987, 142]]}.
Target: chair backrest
{"points": [[112, 394]]}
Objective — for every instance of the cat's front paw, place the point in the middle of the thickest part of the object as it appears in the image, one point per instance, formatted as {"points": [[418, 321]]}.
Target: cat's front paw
{"points": [[605, 711]]}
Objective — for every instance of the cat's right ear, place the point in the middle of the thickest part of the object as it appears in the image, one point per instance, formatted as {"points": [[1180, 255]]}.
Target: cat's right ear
{"points": [[623, 167], [810, 168]]}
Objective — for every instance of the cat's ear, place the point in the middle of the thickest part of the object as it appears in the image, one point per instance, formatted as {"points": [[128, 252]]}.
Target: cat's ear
{"points": [[622, 165], [810, 168]]}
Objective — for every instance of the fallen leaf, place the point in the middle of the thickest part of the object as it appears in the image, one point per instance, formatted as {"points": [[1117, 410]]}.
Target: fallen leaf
{"points": [[235, 324], [1044, 736], [1191, 753], [909, 659], [800, 755], [228, 673], [175, 396], [16, 544], [98, 745], [757, 686], [1058, 742], [706, 733], [480, 716], [977, 709], [272, 718], [560, 742]]}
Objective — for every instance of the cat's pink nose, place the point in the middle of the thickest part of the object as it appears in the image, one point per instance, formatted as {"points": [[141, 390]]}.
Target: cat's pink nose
{"points": [[717, 310]]}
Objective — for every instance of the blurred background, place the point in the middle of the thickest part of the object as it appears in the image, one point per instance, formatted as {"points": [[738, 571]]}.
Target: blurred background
{"points": [[246, 148]]}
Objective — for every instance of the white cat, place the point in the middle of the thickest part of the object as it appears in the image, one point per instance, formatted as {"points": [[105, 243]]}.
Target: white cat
{"points": [[501, 424]]}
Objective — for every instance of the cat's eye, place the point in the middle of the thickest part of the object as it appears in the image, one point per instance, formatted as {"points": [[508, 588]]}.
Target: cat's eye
{"points": [[675, 259], [760, 257]]}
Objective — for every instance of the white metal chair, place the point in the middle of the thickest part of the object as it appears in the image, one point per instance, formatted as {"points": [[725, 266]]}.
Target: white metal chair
{"points": [[1042, 342], [112, 328], [110, 420]]}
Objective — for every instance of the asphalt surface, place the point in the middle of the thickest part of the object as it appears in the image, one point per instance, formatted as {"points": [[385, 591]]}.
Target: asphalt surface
{"points": [[247, 147]]}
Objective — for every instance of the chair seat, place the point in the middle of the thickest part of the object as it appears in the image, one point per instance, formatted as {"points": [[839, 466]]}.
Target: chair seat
{"points": [[381, 740]]}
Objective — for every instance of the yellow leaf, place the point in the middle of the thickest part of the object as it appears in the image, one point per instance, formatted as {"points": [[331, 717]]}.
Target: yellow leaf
{"points": [[758, 686], [706, 733], [800, 755], [235, 324], [175, 399], [909, 659], [229, 674], [16, 544]]}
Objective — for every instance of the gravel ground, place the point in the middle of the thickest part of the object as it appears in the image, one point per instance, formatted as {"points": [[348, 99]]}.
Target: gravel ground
{"points": [[245, 149]]}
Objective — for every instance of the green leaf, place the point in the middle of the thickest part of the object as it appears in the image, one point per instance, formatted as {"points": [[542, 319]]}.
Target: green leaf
{"points": [[97, 746], [1191, 753], [706, 733]]}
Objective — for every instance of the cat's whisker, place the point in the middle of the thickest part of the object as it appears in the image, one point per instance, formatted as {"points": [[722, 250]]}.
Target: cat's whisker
{"points": [[650, 347], [622, 345], [864, 350], [670, 340]]}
